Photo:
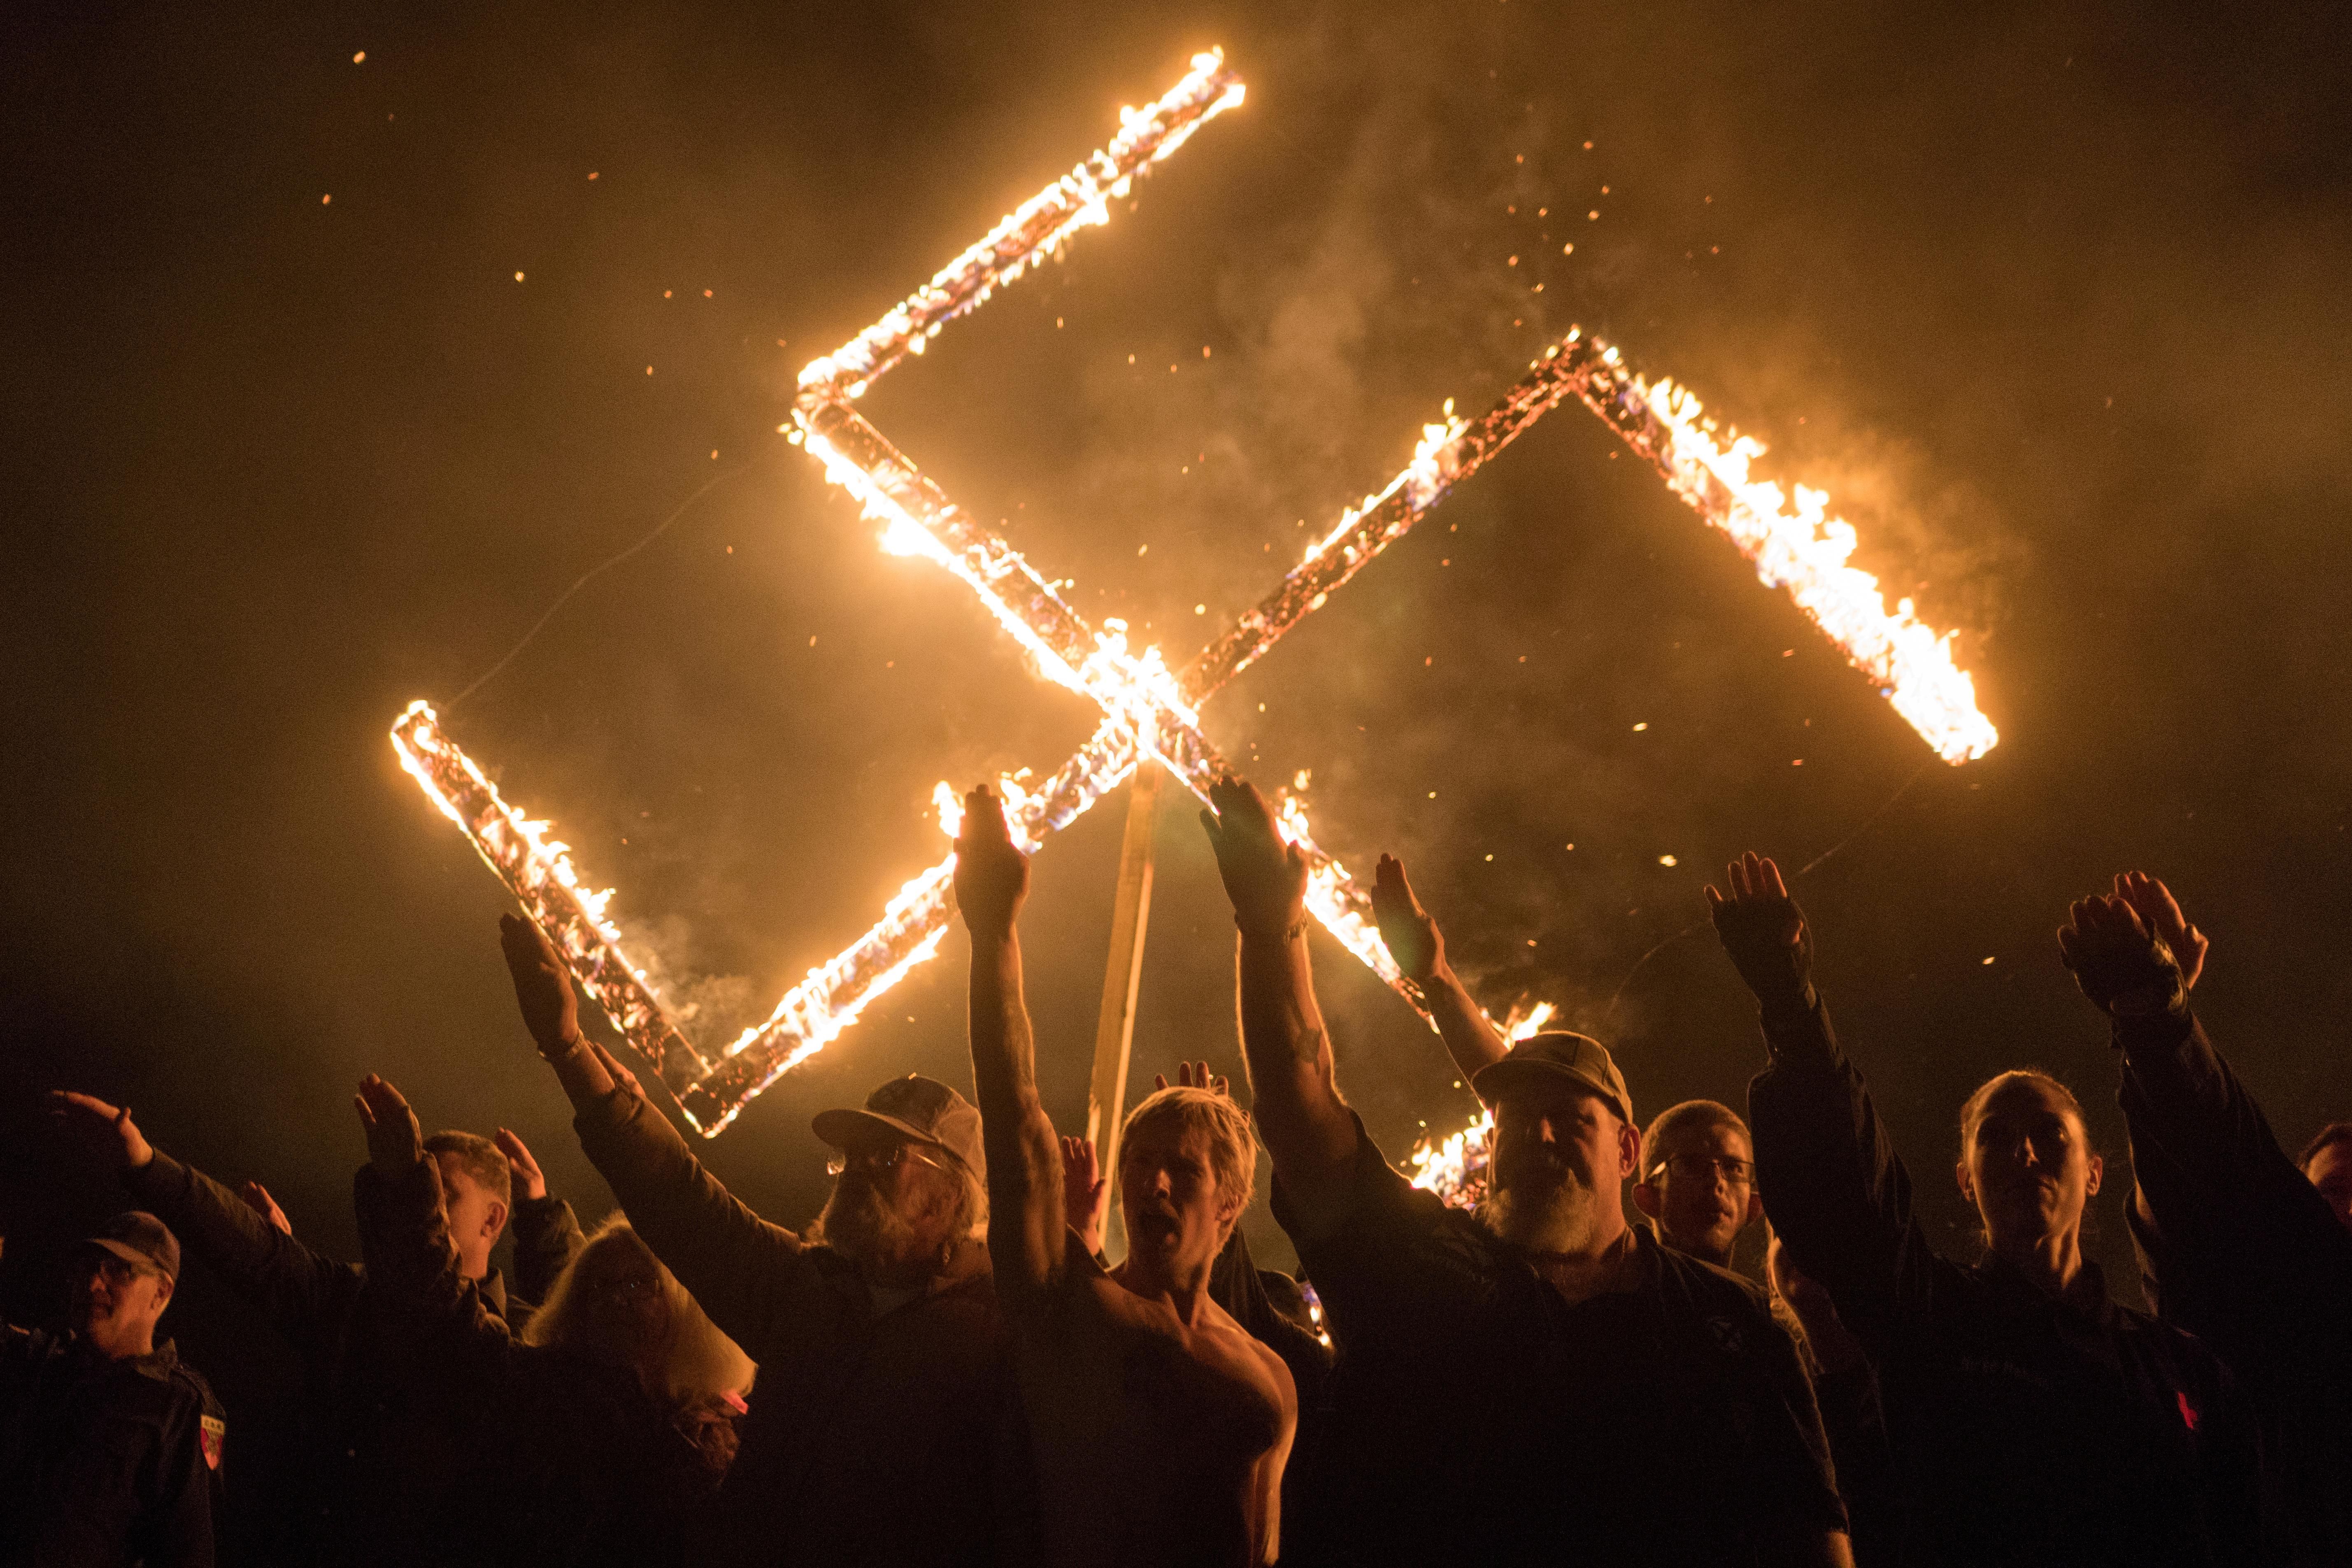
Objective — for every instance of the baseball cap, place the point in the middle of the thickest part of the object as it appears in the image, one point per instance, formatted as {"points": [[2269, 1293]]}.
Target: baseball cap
{"points": [[138, 1238], [1558, 1054], [919, 1109]]}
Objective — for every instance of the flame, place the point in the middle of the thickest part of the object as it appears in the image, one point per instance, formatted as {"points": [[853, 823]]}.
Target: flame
{"points": [[1037, 228], [1148, 709], [538, 870]]}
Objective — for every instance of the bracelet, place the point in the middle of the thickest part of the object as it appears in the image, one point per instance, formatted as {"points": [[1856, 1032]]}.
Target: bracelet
{"points": [[565, 1049]]}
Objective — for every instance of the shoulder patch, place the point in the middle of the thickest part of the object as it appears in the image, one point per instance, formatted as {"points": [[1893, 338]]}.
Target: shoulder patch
{"points": [[211, 1432]]}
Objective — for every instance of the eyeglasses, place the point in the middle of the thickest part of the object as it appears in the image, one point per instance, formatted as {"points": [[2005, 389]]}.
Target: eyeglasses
{"points": [[1702, 1167], [881, 1158], [120, 1271]]}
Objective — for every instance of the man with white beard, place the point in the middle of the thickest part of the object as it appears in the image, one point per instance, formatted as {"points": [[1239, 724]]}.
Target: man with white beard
{"points": [[884, 1427], [1538, 1383]]}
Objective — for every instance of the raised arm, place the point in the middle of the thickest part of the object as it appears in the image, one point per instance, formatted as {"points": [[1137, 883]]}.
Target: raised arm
{"points": [[1308, 1130], [547, 1234], [1838, 1194], [750, 1276], [2209, 1172], [1028, 1233], [1418, 947], [298, 1289]]}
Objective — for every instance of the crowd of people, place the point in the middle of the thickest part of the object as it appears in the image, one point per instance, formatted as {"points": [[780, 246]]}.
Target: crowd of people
{"points": [[946, 1368]]}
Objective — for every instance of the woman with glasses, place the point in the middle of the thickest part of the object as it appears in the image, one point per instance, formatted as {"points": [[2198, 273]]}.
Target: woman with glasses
{"points": [[2033, 1419]]}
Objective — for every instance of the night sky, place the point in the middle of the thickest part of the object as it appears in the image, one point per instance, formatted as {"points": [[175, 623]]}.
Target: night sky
{"points": [[325, 377]]}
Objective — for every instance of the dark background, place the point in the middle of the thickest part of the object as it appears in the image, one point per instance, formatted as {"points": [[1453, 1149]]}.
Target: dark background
{"points": [[2051, 300]]}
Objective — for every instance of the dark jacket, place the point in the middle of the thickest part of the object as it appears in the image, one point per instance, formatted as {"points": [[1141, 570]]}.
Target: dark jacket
{"points": [[879, 1432], [376, 1477], [2025, 1428], [2239, 1248], [1478, 1416], [577, 1463], [104, 1463]]}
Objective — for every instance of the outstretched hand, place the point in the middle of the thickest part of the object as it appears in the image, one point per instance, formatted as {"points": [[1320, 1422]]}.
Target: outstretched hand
{"points": [[105, 1130], [542, 986], [1085, 1193], [529, 1181], [1763, 931], [991, 875], [1194, 1074], [2154, 903], [1264, 874], [2122, 965], [256, 1197], [396, 1146], [1410, 932]]}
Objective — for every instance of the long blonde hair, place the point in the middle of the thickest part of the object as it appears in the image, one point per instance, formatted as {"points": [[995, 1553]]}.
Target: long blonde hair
{"points": [[695, 1359]]}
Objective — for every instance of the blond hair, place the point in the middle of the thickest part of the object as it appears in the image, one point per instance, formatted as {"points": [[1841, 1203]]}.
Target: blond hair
{"points": [[1232, 1142], [696, 1358]]}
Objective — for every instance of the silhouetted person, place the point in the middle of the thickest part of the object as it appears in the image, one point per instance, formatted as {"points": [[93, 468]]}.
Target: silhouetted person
{"points": [[886, 1428], [2327, 1164], [1160, 1424], [1540, 1381], [601, 1429], [2034, 1419], [111, 1445], [2237, 1244], [379, 1480]]}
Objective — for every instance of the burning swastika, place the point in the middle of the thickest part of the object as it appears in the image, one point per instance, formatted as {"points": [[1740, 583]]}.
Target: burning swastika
{"points": [[1151, 710]]}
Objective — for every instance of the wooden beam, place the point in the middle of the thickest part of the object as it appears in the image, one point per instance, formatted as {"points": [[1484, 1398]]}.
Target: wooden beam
{"points": [[1114, 1027]]}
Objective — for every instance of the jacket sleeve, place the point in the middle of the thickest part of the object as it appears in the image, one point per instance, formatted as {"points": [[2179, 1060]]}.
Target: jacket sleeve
{"points": [[1836, 1190], [2207, 1163], [302, 1293], [547, 1238], [754, 1280], [440, 1316]]}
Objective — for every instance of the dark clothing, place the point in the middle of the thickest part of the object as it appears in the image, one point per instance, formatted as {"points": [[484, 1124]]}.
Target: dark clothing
{"points": [[577, 1465], [2026, 1429], [104, 1463], [1855, 1424], [883, 1433], [547, 1238], [1476, 1416], [1247, 1291], [2240, 1249], [379, 1476]]}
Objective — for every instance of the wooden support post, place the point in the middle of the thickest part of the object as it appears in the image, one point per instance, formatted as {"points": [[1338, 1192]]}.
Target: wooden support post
{"points": [[1114, 1028]]}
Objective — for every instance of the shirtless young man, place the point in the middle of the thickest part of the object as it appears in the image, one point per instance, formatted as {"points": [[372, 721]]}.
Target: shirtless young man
{"points": [[1160, 1426]]}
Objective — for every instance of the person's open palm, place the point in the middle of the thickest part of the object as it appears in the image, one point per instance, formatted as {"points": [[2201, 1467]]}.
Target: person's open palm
{"points": [[395, 1145], [1264, 874], [1411, 933], [529, 1180], [106, 1131], [991, 875], [1762, 929], [2155, 905], [1085, 1193], [542, 986]]}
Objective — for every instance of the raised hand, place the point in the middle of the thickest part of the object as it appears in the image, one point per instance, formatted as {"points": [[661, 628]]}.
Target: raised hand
{"points": [[542, 986], [2154, 903], [1194, 1074], [991, 876], [1411, 935], [396, 1146], [529, 1183], [256, 1197], [1264, 874], [106, 1131], [1763, 931], [2122, 965], [1085, 1193]]}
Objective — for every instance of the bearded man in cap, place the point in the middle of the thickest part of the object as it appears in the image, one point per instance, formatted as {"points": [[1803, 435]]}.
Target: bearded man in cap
{"points": [[1540, 1381], [884, 1427], [109, 1445]]}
